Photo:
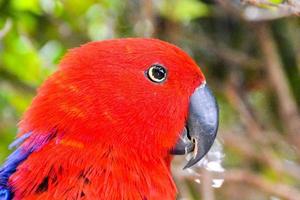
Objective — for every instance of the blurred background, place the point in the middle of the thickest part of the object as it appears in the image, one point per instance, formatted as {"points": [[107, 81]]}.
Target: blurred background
{"points": [[248, 49]]}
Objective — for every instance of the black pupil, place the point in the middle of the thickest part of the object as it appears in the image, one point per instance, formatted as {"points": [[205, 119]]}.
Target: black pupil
{"points": [[158, 72]]}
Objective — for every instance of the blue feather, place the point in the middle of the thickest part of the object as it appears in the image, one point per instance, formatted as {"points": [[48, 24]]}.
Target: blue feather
{"points": [[5, 194], [10, 166], [19, 141], [16, 158]]}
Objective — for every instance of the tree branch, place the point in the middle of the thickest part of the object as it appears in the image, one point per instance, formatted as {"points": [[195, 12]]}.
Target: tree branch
{"points": [[280, 190]]}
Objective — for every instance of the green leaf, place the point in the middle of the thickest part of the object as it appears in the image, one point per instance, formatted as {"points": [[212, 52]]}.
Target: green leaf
{"points": [[276, 1], [184, 10], [28, 5]]}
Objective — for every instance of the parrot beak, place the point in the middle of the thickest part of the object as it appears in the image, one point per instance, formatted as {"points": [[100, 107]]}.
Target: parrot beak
{"points": [[201, 128]]}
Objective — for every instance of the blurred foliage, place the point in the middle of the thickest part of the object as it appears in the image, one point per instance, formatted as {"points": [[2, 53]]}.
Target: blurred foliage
{"points": [[184, 10], [34, 35]]}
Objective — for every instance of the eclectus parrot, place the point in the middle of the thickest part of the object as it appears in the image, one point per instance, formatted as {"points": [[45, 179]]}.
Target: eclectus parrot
{"points": [[107, 123]]}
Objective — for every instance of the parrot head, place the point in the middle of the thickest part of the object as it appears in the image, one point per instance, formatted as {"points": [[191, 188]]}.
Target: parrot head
{"points": [[139, 94]]}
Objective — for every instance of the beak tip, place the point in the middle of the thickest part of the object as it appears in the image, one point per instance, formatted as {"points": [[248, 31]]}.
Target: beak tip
{"points": [[202, 123], [189, 164]]}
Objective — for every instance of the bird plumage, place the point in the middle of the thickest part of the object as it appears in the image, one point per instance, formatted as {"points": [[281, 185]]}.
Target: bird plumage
{"points": [[100, 129]]}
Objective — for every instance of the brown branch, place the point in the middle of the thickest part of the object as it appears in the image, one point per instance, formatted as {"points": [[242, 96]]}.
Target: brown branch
{"points": [[280, 190], [206, 188], [260, 10], [184, 192], [228, 55], [290, 7], [235, 93], [145, 25], [276, 75], [251, 151], [248, 121]]}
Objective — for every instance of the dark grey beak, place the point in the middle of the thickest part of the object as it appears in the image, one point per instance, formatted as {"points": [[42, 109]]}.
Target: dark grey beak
{"points": [[201, 128]]}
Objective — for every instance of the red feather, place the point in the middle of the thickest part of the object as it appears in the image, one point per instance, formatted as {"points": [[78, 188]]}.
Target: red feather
{"points": [[114, 127]]}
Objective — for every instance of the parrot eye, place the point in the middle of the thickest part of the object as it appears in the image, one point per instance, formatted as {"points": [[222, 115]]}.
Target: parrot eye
{"points": [[157, 73]]}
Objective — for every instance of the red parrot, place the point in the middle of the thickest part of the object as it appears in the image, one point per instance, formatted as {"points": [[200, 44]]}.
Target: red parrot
{"points": [[106, 124]]}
